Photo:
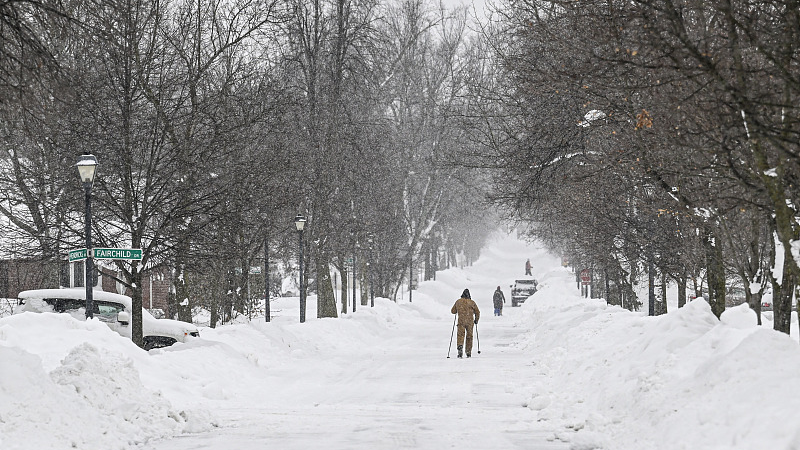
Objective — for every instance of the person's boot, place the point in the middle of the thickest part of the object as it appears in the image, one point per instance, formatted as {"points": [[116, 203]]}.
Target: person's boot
{"points": [[460, 347], [469, 355]]}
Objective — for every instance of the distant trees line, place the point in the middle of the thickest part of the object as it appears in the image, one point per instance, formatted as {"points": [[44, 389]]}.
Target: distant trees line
{"points": [[215, 122], [650, 136], [646, 139]]}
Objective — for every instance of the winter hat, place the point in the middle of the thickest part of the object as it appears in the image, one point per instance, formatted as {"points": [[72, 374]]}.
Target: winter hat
{"points": [[465, 294], [498, 288]]}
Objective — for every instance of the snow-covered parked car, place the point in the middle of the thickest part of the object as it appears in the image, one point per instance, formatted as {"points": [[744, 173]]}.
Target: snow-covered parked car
{"points": [[113, 309], [521, 290]]}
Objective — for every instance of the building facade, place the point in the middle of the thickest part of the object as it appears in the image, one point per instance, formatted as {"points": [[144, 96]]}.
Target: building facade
{"points": [[17, 275]]}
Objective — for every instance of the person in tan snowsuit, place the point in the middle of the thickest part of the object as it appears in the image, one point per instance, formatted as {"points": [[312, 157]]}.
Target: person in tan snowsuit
{"points": [[468, 314]]}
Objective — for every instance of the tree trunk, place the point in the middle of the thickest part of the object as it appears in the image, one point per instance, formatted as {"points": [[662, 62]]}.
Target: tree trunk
{"points": [[681, 280], [662, 295], [326, 300], [227, 308], [754, 301], [427, 254], [633, 303], [435, 261], [214, 314], [364, 283], [343, 292], [240, 294], [136, 305], [716, 272], [179, 301], [782, 296]]}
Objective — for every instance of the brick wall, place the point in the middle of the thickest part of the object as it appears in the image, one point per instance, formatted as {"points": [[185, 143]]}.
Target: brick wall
{"points": [[160, 288], [18, 275]]}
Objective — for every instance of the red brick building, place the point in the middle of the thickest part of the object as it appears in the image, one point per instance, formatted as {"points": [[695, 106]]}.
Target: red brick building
{"points": [[22, 274], [155, 288], [18, 275]]}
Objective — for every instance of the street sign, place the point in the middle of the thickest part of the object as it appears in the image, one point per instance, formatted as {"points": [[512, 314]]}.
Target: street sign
{"points": [[118, 253], [255, 270], [77, 255], [586, 276]]}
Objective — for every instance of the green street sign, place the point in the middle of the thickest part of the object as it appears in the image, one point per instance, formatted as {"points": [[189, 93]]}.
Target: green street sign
{"points": [[118, 253], [77, 255]]}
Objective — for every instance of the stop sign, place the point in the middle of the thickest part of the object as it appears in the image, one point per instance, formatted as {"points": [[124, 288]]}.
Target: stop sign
{"points": [[586, 275]]}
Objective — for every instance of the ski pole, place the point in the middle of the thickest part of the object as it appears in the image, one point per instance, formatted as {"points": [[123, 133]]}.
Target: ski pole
{"points": [[478, 338], [451, 336]]}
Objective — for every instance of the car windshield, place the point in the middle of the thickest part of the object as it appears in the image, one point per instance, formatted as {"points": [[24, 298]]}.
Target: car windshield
{"points": [[107, 311], [104, 310], [529, 282]]}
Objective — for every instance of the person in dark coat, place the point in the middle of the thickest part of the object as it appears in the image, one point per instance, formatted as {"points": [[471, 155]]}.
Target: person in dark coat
{"points": [[468, 314], [498, 301], [528, 267]]}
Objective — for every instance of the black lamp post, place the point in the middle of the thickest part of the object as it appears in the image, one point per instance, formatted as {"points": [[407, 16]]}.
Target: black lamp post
{"points": [[649, 192], [267, 311], [355, 249], [300, 223], [410, 272], [651, 285], [86, 168], [370, 243]]}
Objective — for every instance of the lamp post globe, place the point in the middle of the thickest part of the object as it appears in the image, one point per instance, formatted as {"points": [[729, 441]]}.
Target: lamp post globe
{"points": [[300, 223], [87, 166]]}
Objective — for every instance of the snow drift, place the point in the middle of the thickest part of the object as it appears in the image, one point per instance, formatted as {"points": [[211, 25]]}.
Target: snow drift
{"points": [[685, 380]]}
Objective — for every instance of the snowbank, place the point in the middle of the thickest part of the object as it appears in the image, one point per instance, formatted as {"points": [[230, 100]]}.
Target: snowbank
{"points": [[685, 380], [57, 390], [66, 383]]}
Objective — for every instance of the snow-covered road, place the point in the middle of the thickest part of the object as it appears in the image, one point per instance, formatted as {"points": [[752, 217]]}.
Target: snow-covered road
{"points": [[396, 389], [404, 395]]}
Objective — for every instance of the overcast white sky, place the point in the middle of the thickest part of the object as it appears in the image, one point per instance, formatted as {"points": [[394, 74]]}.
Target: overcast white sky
{"points": [[476, 7]]}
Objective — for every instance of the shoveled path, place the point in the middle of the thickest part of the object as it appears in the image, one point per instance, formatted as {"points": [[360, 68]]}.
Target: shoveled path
{"points": [[409, 395]]}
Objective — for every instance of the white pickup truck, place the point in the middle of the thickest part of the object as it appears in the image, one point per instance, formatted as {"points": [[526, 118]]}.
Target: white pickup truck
{"points": [[521, 290], [113, 309]]}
